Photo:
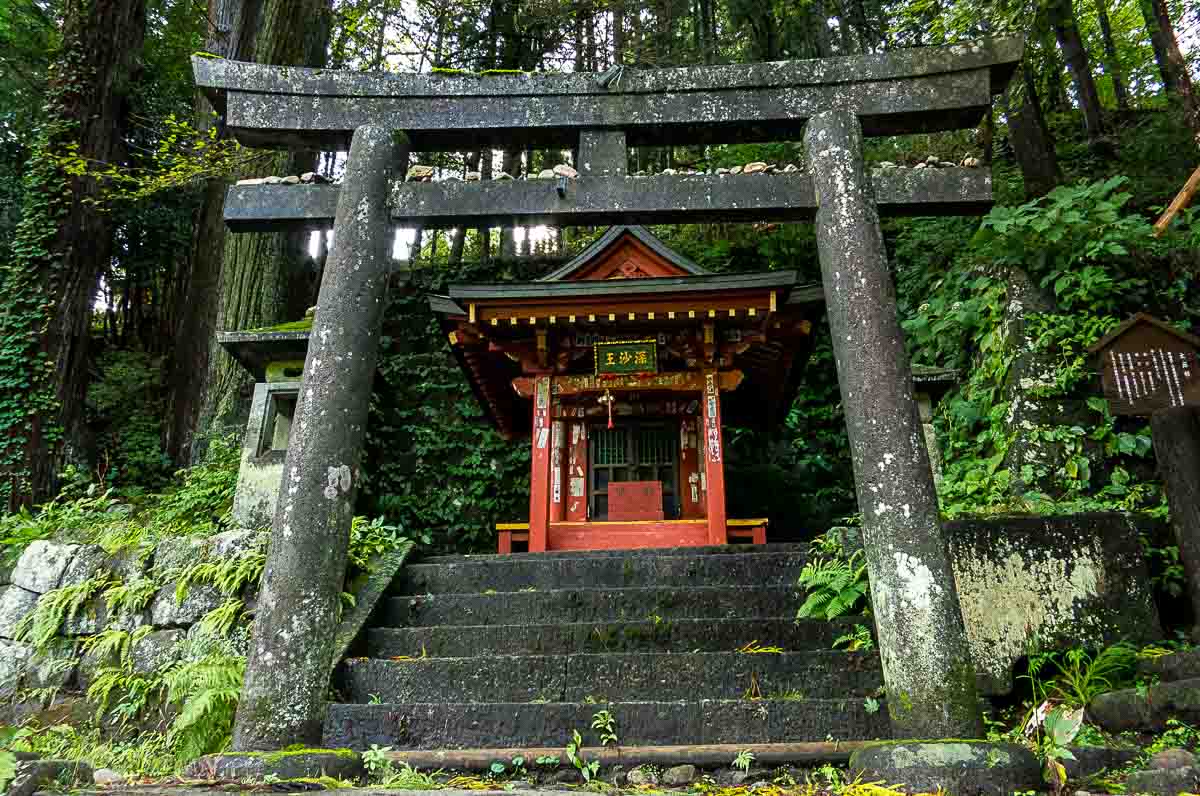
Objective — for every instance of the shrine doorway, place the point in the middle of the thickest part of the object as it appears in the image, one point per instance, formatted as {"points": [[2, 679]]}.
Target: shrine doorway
{"points": [[645, 451]]}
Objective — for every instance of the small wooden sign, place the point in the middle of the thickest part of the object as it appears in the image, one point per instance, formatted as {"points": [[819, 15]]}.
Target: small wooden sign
{"points": [[626, 357], [1148, 365]]}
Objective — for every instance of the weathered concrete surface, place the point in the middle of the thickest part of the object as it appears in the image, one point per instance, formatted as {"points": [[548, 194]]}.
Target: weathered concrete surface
{"points": [[673, 635], [613, 677], [466, 725], [383, 571], [1176, 434], [304, 764], [963, 768], [1127, 709], [261, 469], [14, 657], [919, 90], [287, 671], [926, 658], [1064, 582], [589, 605], [592, 201]]}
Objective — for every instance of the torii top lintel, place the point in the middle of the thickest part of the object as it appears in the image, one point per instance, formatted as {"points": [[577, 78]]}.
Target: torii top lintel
{"points": [[916, 90]]}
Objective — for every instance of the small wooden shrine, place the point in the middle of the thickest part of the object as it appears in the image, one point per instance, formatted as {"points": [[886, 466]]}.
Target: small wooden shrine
{"points": [[623, 366]]}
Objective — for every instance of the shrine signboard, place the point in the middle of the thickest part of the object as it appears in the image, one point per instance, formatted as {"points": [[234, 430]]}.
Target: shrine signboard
{"points": [[1148, 365], [626, 357]]}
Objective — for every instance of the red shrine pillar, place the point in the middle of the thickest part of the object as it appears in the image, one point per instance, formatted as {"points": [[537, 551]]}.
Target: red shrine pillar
{"points": [[539, 478], [714, 454]]}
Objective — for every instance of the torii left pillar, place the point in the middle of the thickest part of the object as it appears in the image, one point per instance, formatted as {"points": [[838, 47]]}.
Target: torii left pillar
{"points": [[287, 672]]}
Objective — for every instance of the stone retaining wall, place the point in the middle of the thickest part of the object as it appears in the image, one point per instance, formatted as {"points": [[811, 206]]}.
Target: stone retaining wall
{"points": [[46, 566]]}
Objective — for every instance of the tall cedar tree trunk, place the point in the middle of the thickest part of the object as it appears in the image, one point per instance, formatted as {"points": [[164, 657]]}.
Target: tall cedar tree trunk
{"points": [[231, 28], [257, 268], [1176, 80], [1112, 62], [89, 80], [1031, 142], [1062, 16]]}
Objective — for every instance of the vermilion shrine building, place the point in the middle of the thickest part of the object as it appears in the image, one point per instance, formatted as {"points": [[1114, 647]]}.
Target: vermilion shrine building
{"points": [[623, 366]]}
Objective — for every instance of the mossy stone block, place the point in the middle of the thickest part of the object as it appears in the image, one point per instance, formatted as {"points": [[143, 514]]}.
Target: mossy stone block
{"points": [[964, 768], [343, 764]]}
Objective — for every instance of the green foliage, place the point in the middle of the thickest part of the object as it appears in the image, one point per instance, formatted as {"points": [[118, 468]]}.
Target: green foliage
{"points": [[228, 575], [587, 769], [858, 640], [40, 625], [123, 405], [743, 760], [605, 723], [204, 497], [1090, 255], [834, 584], [386, 774]]}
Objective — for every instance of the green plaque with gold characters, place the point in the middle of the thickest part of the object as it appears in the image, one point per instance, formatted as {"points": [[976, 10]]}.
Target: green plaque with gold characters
{"points": [[625, 357]]}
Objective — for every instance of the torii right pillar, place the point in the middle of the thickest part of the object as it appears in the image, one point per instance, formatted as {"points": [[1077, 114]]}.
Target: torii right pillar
{"points": [[927, 666]]}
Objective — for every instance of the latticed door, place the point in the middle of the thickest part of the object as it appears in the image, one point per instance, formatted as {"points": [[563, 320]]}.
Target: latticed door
{"points": [[636, 452]]}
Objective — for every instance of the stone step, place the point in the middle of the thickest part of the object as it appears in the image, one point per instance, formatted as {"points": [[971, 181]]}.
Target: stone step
{"points": [[465, 725], [670, 635], [616, 677], [647, 552], [555, 606], [680, 568]]}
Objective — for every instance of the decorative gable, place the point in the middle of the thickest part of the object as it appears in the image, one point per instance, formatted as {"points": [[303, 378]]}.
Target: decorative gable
{"points": [[626, 252]]}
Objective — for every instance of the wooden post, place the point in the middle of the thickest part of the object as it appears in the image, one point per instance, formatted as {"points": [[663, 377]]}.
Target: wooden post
{"points": [[539, 478], [558, 461], [714, 456], [1176, 434]]}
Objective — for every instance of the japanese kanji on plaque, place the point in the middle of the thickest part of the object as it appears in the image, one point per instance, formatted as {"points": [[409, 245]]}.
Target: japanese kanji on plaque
{"points": [[631, 356]]}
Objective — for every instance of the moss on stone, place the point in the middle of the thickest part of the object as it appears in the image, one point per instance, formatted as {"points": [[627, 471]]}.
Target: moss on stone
{"points": [[303, 325], [298, 750]]}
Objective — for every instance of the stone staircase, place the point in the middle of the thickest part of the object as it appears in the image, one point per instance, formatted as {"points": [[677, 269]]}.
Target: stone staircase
{"points": [[518, 651]]}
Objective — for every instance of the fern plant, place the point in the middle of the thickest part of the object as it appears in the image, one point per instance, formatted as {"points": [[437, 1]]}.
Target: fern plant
{"points": [[40, 625], [207, 692], [834, 587]]}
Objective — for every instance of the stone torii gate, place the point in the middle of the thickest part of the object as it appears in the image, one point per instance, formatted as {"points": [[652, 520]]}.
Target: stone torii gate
{"points": [[382, 118]]}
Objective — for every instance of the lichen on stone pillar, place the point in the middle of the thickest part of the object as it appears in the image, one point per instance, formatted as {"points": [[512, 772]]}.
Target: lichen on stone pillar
{"points": [[926, 661], [287, 672]]}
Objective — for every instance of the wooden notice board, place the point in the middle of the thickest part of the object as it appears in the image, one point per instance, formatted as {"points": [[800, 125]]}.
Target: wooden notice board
{"points": [[1147, 365]]}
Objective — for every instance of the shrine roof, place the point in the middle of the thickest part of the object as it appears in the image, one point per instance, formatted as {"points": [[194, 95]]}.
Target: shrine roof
{"points": [[610, 239], [1137, 320], [617, 288]]}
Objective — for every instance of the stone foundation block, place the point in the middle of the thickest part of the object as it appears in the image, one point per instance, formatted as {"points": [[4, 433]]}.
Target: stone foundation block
{"points": [[300, 764], [1164, 782], [964, 768], [35, 775], [1118, 711], [40, 568]]}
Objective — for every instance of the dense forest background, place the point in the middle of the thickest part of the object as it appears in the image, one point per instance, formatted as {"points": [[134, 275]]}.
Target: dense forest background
{"points": [[116, 272]]}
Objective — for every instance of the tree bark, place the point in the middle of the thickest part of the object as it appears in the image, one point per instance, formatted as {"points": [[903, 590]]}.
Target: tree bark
{"points": [[1171, 63], [1031, 141], [231, 32], [1112, 62], [1062, 16], [1176, 434], [53, 292], [256, 267]]}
